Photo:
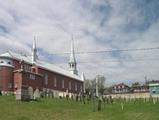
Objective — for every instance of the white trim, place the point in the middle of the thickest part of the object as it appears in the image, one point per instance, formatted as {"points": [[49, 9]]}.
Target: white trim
{"points": [[153, 84]]}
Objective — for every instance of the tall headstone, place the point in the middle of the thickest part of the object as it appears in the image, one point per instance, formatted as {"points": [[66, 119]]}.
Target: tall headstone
{"points": [[30, 93]]}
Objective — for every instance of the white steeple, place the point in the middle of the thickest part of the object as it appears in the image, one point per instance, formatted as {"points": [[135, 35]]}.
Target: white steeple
{"points": [[72, 61], [34, 51], [83, 79]]}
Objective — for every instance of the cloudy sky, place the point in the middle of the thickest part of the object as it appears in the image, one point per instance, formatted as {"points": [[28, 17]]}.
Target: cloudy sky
{"points": [[97, 25]]}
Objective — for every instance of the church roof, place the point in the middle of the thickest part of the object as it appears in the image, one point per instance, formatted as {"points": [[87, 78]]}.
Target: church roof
{"points": [[7, 54], [83, 76], [42, 64]]}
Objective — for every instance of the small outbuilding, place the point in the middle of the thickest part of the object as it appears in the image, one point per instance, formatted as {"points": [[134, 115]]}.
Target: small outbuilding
{"points": [[154, 88]]}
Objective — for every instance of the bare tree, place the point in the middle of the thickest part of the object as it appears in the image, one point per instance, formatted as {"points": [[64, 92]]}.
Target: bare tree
{"points": [[90, 84], [101, 83]]}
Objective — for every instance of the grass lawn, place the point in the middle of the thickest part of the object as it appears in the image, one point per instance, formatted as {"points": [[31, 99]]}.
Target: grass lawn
{"points": [[61, 109]]}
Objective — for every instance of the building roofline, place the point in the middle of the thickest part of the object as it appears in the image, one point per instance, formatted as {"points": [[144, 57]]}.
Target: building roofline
{"points": [[59, 73], [40, 66]]}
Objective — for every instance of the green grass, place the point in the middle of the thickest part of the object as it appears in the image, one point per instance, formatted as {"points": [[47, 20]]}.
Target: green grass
{"points": [[61, 109]]}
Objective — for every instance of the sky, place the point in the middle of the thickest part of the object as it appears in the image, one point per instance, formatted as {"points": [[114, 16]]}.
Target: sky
{"points": [[96, 25]]}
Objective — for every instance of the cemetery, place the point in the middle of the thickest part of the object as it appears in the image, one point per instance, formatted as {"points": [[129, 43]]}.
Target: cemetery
{"points": [[75, 108]]}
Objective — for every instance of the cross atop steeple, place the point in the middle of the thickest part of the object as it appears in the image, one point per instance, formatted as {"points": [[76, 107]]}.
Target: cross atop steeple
{"points": [[72, 61]]}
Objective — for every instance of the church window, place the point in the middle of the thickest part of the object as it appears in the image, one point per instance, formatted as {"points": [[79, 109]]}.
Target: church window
{"points": [[63, 83], [69, 85], [55, 82], [27, 68], [75, 86], [81, 88], [32, 77], [46, 79]]}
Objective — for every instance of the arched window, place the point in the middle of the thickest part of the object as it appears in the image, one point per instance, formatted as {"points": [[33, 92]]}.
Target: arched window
{"points": [[55, 82], [75, 86], [69, 85], [63, 83], [46, 79], [32, 76], [81, 88]]}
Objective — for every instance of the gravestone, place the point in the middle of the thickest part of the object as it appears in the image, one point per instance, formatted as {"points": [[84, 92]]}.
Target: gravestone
{"points": [[99, 104], [30, 93], [122, 106], [36, 94], [18, 94]]}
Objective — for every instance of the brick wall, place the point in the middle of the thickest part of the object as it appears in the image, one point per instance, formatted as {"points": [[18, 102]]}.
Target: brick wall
{"points": [[6, 78], [36, 77], [59, 79]]}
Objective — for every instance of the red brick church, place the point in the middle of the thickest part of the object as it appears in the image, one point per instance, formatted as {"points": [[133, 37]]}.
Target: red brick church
{"points": [[29, 76]]}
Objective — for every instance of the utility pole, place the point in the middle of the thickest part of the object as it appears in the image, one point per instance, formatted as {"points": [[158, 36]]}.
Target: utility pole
{"points": [[146, 81], [97, 86]]}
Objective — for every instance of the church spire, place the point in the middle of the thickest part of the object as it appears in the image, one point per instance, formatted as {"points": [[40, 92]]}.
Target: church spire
{"points": [[72, 61], [34, 51], [34, 43]]}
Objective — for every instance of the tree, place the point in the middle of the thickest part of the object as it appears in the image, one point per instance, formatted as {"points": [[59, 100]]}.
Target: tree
{"points": [[90, 84], [136, 84]]}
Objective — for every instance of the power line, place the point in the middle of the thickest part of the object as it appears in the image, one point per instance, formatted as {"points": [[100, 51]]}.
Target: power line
{"points": [[107, 51], [118, 60], [126, 60]]}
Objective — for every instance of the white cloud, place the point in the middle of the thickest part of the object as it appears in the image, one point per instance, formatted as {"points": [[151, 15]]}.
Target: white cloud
{"points": [[96, 25]]}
